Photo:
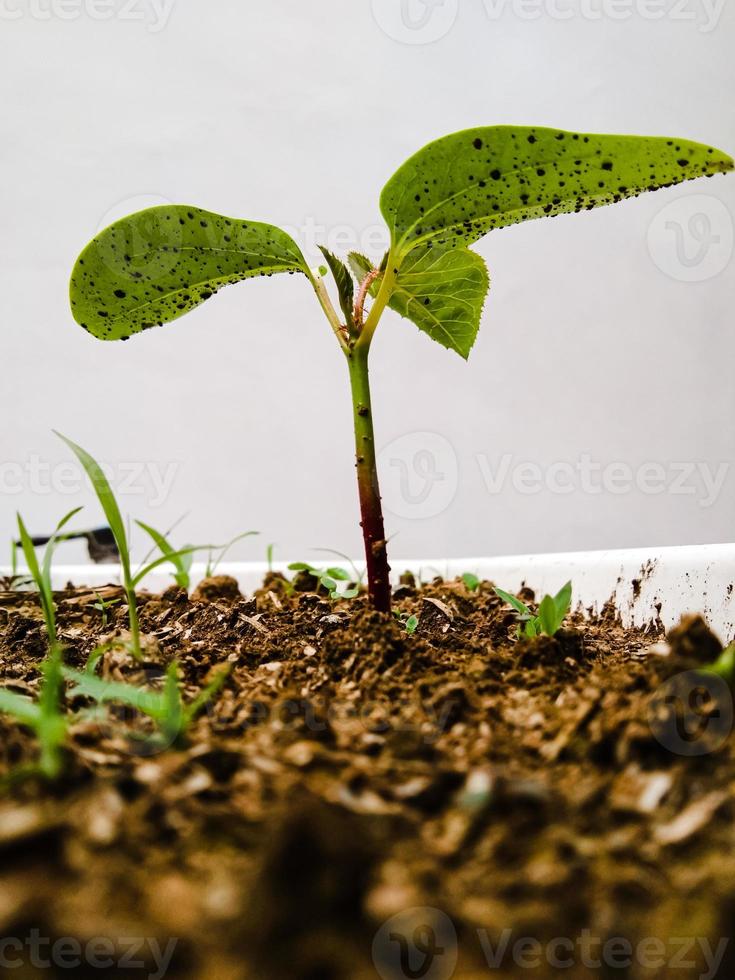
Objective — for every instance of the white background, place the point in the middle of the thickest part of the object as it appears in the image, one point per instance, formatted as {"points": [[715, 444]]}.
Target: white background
{"points": [[592, 342]]}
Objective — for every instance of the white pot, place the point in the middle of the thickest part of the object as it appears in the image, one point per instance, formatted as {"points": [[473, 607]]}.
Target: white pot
{"points": [[645, 585]]}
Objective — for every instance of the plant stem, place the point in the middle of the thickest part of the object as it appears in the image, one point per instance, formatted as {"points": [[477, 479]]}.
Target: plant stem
{"points": [[133, 620], [381, 301], [373, 532], [329, 311]]}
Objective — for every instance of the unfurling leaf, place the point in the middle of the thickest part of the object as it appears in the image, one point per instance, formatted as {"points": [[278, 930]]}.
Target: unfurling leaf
{"points": [[154, 266], [345, 285], [458, 188]]}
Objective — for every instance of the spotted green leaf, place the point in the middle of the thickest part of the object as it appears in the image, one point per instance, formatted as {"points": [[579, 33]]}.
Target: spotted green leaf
{"points": [[441, 290], [458, 188], [155, 265]]}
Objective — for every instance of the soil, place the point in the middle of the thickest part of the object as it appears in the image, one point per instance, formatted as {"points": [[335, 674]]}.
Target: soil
{"points": [[531, 800]]}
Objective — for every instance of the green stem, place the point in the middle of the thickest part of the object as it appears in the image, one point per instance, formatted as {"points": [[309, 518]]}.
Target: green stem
{"points": [[329, 311], [381, 301], [373, 532], [134, 622]]}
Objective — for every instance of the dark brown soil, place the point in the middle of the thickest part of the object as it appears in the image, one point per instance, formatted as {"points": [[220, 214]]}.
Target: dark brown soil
{"points": [[485, 791]]}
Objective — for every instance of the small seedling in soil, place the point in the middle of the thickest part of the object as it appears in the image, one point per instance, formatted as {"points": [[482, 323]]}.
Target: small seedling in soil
{"points": [[106, 497], [411, 625], [214, 563], [103, 607], [44, 716], [471, 581], [165, 708], [181, 561], [154, 266], [552, 612], [328, 578]]}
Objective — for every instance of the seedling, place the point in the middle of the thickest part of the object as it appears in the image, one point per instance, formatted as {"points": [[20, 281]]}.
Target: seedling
{"points": [[552, 612], [44, 717], [182, 561], [471, 581], [103, 606], [328, 579], [214, 563], [411, 624], [355, 573], [106, 497], [154, 266], [165, 707]]}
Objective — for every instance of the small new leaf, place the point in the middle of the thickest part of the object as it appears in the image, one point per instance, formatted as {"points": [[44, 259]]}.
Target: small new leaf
{"points": [[345, 284], [442, 291]]}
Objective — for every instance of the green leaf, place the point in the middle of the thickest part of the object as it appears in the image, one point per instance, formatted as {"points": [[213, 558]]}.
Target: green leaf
{"points": [[412, 624], [155, 265], [471, 581], [511, 600], [360, 265], [458, 188], [181, 560], [151, 703], [548, 617], [563, 601], [56, 539], [25, 711], [106, 497], [207, 693], [173, 557], [345, 285], [443, 292]]}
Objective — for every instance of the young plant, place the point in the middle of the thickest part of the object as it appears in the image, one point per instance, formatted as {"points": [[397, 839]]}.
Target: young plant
{"points": [[552, 612], [182, 561], [44, 717], [154, 266], [409, 623], [166, 707], [472, 582], [103, 607], [214, 563], [328, 579], [106, 497]]}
